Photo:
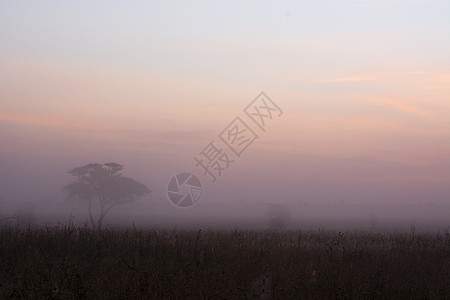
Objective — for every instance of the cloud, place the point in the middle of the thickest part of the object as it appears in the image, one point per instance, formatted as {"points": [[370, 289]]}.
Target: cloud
{"points": [[405, 107], [348, 79], [44, 120]]}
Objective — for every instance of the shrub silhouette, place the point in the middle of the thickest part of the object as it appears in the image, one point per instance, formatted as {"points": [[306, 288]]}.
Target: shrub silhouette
{"points": [[279, 216]]}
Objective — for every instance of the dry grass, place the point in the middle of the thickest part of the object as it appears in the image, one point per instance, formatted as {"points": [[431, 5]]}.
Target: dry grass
{"points": [[77, 263]]}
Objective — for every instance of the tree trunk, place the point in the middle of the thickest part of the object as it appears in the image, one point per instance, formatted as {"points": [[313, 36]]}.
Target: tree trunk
{"points": [[100, 221], [104, 212], [90, 214]]}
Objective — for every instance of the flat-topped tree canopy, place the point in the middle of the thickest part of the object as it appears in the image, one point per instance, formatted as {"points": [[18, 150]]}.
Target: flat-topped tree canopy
{"points": [[105, 185]]}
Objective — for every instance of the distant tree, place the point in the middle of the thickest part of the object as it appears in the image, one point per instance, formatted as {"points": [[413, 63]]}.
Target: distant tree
{"points": [[103, 184], [7, 218], [373, 220], [279, 215], [25, 214]]}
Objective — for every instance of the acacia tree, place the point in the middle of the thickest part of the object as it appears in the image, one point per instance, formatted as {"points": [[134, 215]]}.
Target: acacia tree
{"points": [[104, 185]]}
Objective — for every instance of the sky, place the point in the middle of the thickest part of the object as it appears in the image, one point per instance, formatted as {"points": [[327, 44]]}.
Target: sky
{"points": [[364, 87]]}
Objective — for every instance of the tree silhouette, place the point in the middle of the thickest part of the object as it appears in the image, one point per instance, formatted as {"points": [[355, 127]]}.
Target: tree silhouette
{"points": [[103, 184], [279, 216]]}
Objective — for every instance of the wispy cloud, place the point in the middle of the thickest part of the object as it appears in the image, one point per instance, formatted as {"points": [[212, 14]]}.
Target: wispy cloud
{"points": [[42, 120], [404, 107], [348, 79]]}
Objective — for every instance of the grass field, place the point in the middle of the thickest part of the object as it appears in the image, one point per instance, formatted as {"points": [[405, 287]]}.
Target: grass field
{"points": [[69, 262]]}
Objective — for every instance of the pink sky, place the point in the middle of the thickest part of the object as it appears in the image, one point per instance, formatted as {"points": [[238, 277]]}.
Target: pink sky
{"points": [[366, 105]]}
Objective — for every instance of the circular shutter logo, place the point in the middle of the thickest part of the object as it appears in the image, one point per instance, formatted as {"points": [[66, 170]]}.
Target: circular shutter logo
{"points": [[184, 190]]}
